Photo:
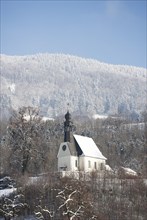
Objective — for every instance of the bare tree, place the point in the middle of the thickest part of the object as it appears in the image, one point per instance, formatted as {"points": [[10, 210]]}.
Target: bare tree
{"points": [[22, 138]]}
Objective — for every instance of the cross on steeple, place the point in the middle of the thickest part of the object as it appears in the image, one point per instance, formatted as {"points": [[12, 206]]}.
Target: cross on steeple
{"points": [[68, 106]]}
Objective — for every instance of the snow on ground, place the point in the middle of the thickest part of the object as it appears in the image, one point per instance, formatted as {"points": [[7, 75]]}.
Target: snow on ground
{"points": [[6, 192], [44, 119], [47, 119], [33, 180], [11, 87], [97, 116], [133, 125], [145, 181]]}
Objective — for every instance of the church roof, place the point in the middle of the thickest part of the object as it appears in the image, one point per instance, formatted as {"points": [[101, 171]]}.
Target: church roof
{"points": [[88, 147]]}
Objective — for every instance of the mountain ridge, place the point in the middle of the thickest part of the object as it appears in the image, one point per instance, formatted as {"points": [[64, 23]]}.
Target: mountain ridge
{"points": [[65, 55], [50, 81]]}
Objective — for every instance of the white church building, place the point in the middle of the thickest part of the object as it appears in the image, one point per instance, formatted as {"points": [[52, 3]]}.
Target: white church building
{"points": [[78, 153]]}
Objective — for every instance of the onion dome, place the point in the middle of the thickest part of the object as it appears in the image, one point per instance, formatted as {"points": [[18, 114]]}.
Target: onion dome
{"points": [[68, 116]]}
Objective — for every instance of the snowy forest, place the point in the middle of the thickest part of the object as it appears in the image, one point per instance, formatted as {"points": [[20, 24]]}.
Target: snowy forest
{"points": [[50, 81], [107, 103], [31, 187]]}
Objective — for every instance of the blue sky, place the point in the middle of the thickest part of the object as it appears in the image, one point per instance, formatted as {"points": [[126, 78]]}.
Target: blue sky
{"points": [[109, 31]]}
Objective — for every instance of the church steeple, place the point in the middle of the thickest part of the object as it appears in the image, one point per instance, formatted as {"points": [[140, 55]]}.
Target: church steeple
{"points": [[67, 127]]}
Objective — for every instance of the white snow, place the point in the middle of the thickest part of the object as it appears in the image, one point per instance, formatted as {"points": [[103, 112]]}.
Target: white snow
{"points": [[108, 168], [88, 147], [47, 119], [44, 119], [129, 171], [34, 180], [97, 116], [145, 181], [137, 125], [6, 192], [12, 88], [90, 85]]}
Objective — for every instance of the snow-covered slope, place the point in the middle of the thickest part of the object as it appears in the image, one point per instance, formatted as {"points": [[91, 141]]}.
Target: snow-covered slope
{"points": [[50, 81]]}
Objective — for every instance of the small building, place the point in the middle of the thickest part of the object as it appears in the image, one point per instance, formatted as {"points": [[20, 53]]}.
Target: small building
{"points": [[78, 153]]}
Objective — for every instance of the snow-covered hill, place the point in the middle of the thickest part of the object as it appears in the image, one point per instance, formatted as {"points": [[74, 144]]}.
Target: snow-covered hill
{"points": [[50, 81]]}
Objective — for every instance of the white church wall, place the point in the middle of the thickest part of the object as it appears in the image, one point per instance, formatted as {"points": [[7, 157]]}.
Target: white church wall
{"points": [[65, 152], [74, 163], [68, 163], [88, 164], [63, 163], [81, 163]]}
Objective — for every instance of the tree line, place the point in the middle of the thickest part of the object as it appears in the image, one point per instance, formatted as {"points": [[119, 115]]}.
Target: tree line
{"points": [[30, 145]]}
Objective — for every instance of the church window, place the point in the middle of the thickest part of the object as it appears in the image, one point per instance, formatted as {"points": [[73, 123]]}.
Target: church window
{"points": [[89, 164], [102, 166], [76, 163], [64, 147], [95, 165]]}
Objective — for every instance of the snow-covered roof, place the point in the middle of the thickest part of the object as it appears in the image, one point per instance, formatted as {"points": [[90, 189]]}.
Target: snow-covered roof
{"points": [[129, 171], [108, 168], [88, 147]]}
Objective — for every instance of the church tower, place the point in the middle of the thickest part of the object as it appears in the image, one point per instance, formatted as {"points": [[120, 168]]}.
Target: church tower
{"points": [[78, 153], [67, 127]]}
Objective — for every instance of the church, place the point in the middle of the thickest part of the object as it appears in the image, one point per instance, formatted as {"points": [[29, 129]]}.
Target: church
{"points": [[78, 153]]}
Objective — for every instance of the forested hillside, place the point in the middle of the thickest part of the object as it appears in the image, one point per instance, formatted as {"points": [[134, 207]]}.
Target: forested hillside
{"points": [[50, 81]]}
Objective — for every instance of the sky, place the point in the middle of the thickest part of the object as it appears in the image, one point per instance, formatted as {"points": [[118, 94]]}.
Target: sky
{"points": [[109, 31]]}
